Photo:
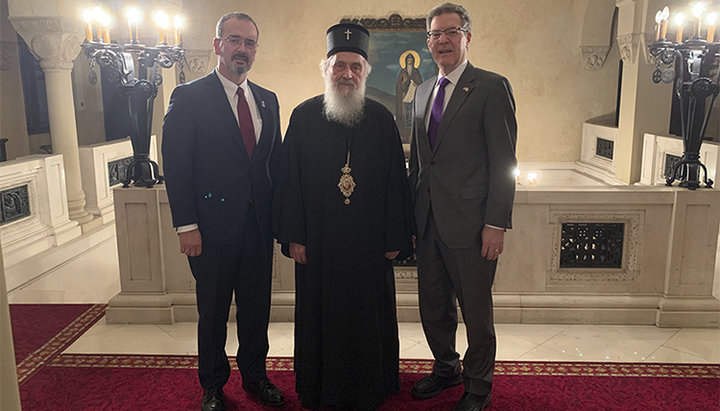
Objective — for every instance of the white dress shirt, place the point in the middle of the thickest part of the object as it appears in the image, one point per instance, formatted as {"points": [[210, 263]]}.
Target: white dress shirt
{"points": [[231, 92], [453, 77]]}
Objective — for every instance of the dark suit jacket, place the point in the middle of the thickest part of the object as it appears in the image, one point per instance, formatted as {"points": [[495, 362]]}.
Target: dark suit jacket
{"points": [[210, 179], [468, 176]]}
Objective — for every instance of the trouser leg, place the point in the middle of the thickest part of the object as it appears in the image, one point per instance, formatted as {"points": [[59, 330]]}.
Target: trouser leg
{"points": [[213, 288], [436, 295], [472, 276], [252, 299]]}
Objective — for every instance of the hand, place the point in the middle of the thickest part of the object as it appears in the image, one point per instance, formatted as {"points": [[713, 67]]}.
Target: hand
{"points": [[390, 255], [492, 242], [297, 252], [191, 243]]}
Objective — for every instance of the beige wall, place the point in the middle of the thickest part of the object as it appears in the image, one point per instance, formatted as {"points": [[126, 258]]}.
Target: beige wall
{"points": [[534, 44], [12, 106]]}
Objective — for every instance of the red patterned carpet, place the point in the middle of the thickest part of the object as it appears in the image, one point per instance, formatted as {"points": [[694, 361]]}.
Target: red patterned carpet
{"points": [[42, 331], [122, 382]]}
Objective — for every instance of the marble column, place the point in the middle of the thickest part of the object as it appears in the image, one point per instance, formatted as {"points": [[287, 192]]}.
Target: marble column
{"points": [[55, 41], [644, 105]]}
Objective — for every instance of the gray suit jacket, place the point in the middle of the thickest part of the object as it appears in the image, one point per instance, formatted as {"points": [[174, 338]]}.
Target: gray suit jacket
{"points": [[468, 176]]}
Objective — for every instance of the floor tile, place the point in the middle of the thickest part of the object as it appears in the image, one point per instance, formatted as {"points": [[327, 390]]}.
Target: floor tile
{"points": [[669, 355], [699, 342], [609, 343]]}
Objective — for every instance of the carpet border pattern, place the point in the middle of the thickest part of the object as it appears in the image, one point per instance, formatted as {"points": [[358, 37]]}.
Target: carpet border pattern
{"points": [[413, 366], [57, 344]]}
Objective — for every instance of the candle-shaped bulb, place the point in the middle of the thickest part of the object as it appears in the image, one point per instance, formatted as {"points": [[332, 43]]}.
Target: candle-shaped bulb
{"points": [[711, 21], [134, 16], [97, 14], [162, 21], [105, 21], [532, 177], [179, 25], [678, 21], [658, 17], [698, 9], [663, 25], [658, 20], [87, 16]]}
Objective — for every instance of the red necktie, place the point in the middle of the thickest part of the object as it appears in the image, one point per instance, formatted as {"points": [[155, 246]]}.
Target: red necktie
{"points": [[247, 131]]}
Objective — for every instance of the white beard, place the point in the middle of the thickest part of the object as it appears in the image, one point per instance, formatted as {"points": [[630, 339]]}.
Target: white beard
{"points": [[346, 109]]}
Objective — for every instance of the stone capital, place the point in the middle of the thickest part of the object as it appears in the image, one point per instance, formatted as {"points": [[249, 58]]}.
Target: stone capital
{"points": [[54, 40], [594, 57], [633, 44]]}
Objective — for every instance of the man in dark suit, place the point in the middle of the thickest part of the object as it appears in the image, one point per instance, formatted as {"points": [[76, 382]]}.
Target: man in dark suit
{"points": [[221, 137], [461, 173]]}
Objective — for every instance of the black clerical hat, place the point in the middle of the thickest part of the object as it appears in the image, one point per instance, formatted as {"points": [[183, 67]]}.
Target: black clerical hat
{"points": [[348, 37]]}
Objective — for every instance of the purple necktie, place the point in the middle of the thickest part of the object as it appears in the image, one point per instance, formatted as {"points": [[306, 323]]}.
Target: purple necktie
{"points": [[437, 111], [247, 131]]}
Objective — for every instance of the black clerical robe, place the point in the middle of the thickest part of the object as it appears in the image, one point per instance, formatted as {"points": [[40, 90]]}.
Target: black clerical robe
{"points": [[346, 338]]}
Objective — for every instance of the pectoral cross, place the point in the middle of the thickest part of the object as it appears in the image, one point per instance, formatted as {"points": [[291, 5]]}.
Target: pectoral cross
{"points": [[347, 34]]}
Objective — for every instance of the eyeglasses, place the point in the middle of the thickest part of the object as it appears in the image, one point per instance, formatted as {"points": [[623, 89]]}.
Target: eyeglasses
{"points": [[236, 40], [451, 32]]}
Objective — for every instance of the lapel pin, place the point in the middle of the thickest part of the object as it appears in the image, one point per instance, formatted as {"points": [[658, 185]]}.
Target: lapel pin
{"points": [[262, 103], [465, 89]]}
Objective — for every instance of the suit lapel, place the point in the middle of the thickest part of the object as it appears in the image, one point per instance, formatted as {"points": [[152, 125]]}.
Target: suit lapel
{"points": [[218, 96], [265, 139], [422, 97], [462, 90]]}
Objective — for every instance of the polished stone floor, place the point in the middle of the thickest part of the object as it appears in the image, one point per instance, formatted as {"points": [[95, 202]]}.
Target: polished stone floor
{"points": [[530, 342]]}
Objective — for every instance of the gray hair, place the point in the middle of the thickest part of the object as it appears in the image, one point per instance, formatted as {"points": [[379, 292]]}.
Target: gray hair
{"points": [[450, 8], [236, 15]]}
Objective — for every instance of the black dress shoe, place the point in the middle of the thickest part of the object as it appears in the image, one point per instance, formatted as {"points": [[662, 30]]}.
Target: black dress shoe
{"points": [[433, 384], [266, 392], [473, 402], [213, 399]]}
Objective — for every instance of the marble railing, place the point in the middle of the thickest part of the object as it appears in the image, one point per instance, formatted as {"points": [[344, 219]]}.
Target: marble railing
{"points": [[659, 269], [103, 167], [34, 210], [660, 153], [598, 147]]}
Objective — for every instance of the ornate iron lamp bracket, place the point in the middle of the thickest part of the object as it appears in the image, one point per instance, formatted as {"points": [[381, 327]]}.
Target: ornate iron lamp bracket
{"points": [[134, 69]]}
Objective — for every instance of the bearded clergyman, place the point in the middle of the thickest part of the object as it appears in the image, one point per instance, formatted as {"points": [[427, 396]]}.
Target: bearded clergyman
{"points": [[345, 214]]}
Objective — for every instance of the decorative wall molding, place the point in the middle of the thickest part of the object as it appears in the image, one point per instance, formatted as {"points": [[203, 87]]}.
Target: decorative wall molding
{"points": [[594, 57], [634, 221], [393, 22], [633, 44], [198, 61]]}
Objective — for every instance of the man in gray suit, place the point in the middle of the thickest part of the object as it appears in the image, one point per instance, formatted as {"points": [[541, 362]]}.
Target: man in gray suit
{"points": [[461, 174]]}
